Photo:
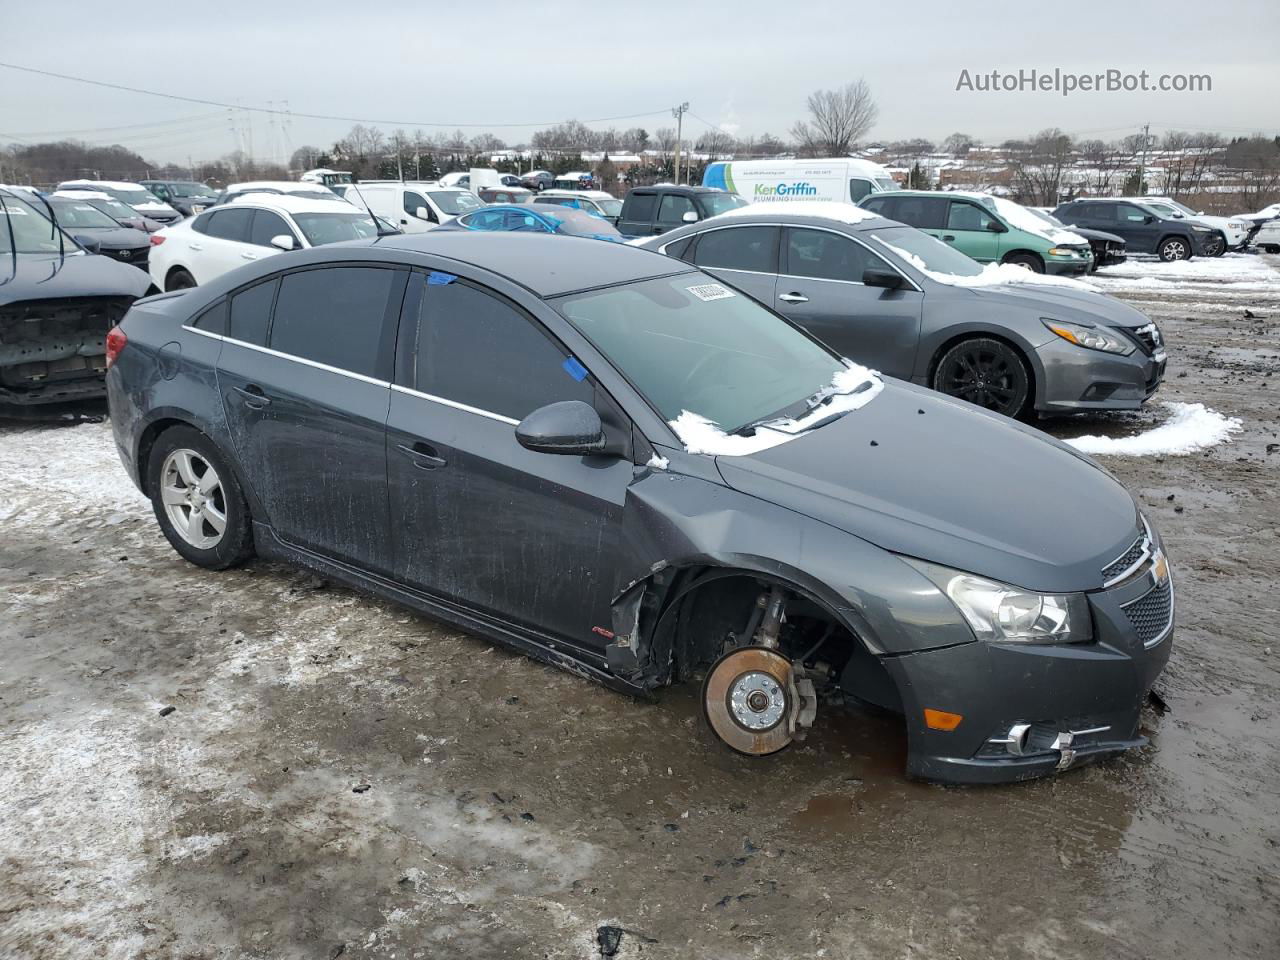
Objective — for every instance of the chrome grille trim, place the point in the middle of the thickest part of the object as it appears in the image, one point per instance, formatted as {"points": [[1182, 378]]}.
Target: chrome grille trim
{"points": [[1129, 562]]}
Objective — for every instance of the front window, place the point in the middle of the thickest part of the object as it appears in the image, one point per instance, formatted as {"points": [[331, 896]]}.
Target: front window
{"points": [[114, 208], [322, 228], [76, 213], [886, 183], [925, 253], [610, 207], [717, 203], [688, 343], [132, 197], [456, 202], [23, 229]]}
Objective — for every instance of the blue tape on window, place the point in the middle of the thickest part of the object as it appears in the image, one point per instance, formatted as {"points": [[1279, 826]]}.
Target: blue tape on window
{"points": [[437, 279], [574, 368]]}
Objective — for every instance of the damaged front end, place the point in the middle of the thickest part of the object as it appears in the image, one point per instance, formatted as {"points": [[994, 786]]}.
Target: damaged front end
{"points": [[54, 350]]}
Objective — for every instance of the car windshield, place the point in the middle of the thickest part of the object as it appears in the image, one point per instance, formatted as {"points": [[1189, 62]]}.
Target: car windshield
{"points": [[611, 208], [886, 183], [1182, 208], [322, 228], [690, 343], [925, 253], [1047, 217], [80, 213], [132, 197], [24, 229], [455, 202], [114, 208], [717, 203], [191, 190]]}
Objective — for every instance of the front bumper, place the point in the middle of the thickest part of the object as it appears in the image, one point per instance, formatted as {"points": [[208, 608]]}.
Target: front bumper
{"points": [[1072, 379], [1067, 268], [1092, 691]]}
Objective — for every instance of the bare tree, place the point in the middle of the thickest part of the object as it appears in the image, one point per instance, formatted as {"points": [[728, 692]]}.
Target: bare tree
{"points": [[664, 139], [1186, 158], [716, 143], [837, 119], [959, 144], [1037, 166]]}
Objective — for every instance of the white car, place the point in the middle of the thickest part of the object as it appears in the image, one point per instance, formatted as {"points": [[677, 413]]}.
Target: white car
{"points": [[132, 194], [413, 206], [1268, 236], [1233, 229], [307, 191], [254, 226], [593, 201]]}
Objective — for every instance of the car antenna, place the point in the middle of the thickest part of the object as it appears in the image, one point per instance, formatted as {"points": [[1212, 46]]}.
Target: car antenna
{"points": [[377, 224]]}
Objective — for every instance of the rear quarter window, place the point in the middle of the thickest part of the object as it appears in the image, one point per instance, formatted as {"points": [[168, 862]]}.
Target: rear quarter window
{"points": [[251, 313], [213, 320], [335, 316], [640, 206]]}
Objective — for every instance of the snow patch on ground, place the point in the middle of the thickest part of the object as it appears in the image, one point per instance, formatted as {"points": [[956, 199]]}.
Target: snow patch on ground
{"points": [[827, 209], [1191, 427], [79, 465], [849, 390], [1229, 268]]}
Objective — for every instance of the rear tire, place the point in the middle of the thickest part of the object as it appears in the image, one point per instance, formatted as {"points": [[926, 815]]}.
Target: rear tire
{"points": [[987, 373], [179, 279], [198, 501], [1028, 260], [1174, 248]]}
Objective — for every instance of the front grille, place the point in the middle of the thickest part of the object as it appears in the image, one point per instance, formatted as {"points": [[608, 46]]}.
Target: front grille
{"points": [[1152, 613], [1148, 337], [1121, 564]]}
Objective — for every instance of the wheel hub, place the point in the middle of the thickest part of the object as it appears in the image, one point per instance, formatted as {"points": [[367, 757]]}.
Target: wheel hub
{"points": [[756, 701]]}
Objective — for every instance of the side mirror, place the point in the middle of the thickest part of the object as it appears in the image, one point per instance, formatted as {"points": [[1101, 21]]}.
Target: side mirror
{"points": [[689, 217], [872, 277], [568, 427], [995, 226], [90, 245], [1148, 219], [282, 241]]}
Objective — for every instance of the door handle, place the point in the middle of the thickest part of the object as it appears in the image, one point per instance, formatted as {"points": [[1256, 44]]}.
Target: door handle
{"points": [[249, 256], [949, 238], [194, 246], [793, 298], [253, 396], [423, 455]]}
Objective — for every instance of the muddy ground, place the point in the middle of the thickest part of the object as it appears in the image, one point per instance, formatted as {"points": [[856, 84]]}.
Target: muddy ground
{"points": [[257, 764]]}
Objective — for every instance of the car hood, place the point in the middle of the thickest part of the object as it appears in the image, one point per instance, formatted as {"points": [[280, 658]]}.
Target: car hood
{"points": [[30, 276], [1097, 235], [1054, 302], [114, 239], [921, 474]]}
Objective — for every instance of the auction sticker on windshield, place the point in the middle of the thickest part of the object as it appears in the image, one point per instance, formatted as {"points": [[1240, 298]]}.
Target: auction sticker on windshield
{"points": [[710, 291]]}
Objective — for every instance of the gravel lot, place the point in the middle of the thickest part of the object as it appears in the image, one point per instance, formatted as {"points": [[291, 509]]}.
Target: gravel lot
{"points": [[257, 764]]}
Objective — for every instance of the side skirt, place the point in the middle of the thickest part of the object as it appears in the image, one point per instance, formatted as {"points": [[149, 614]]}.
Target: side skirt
{"points": [[537, 646]]}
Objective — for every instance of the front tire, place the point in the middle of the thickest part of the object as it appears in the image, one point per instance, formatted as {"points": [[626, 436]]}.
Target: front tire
{"points": [[198, 501], [1216, 247], [1175, 248], [985, 372], [1028, 260]]}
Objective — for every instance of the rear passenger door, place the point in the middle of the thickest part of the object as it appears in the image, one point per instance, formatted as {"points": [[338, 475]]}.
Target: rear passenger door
{"points": [[924, 213], [746, 257], [821, 289], [223, 245], [304, 376], [477, 520]]}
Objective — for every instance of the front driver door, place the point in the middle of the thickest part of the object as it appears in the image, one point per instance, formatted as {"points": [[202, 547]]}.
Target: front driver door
{"points": [[477, 520], [821, 289], [970, 230]]}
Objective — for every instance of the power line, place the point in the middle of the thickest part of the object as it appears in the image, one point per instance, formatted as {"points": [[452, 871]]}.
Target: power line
{"points": [[177, 121], [311, 116]]}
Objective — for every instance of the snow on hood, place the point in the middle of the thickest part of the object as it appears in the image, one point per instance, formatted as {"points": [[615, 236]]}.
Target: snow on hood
{"points": [[1028, 222], [1191, 427], [992, 275], [849, 389], [828, 209]]}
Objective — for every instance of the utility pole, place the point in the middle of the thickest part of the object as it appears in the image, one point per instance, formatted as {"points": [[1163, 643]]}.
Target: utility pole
{"points": [[678, 113], [1142, 164]]}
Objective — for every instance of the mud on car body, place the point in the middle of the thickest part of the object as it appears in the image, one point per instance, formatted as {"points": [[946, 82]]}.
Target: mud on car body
{"points": [[607, 459], [57, 302]]}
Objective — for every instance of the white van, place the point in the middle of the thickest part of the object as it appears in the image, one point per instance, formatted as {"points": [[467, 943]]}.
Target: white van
{"points": [[415, 207], [843, 180]]}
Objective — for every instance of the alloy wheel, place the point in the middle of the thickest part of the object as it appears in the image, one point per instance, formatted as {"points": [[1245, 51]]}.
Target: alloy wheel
{"points": [[983, 376], [1173, 250], [193, 498]]}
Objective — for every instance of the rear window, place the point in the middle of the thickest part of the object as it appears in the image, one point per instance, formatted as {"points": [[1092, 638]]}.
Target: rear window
{"points": [[333, 316], [251, 312]]}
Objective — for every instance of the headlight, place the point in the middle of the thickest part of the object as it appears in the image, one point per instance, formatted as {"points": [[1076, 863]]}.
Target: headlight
{"points": [[1200, 229], [1063, 252], [1000, 613], [1095, 338]]}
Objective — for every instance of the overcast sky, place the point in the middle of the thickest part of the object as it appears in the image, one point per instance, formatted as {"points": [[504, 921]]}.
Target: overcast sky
{"points": [[745, 65]]}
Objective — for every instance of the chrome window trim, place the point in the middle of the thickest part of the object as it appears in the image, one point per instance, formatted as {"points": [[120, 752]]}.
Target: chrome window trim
{"points": [[444, 401]]}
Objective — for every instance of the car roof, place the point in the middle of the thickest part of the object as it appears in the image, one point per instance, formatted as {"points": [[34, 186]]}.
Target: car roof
{"points": [[548, 269], [589, 194], [105, 184], [285, 203], [82, 195], [285, 186]]}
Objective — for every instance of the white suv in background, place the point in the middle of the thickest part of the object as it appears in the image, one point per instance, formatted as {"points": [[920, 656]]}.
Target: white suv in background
{"points": [[1234, 230], [254, 226], [133, 194]]}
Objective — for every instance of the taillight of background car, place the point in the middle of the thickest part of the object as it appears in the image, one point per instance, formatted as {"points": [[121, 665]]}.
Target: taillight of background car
{"points": [[156, 239], [116, 341]]}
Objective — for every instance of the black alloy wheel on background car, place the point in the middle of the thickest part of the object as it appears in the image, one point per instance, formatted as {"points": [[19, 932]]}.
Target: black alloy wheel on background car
{"points": [[985, 372]]}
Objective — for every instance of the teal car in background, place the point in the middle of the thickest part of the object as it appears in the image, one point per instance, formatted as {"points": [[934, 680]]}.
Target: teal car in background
{"points": [[987, 228]]}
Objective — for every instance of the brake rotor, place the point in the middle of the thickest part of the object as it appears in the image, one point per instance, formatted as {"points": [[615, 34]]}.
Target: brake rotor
{"points": [[750, 700]]}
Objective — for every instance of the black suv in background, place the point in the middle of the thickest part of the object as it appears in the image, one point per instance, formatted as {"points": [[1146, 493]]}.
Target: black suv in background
{"points": [[1142, 228], [188, 197], [650, 210]]}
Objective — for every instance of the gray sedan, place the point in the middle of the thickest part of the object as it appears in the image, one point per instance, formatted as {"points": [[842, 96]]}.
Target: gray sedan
{"points": [[909, 306]]}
